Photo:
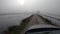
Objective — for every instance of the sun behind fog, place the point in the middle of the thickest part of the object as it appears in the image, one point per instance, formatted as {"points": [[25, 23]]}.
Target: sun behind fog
{"points": [[21, 2]]}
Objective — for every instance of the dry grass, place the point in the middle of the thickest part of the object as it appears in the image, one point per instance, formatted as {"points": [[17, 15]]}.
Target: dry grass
{"points": [[48, 21], [18, 29], [22, 26]]}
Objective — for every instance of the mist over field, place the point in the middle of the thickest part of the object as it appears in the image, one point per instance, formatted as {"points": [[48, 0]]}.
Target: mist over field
{"points": [[12, 12]]}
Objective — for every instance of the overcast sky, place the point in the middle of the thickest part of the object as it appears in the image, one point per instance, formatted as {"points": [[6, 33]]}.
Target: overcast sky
{"points": [[45, 6]]}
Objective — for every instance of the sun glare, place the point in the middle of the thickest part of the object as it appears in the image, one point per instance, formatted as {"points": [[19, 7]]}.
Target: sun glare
{"points": [[21, 2]]}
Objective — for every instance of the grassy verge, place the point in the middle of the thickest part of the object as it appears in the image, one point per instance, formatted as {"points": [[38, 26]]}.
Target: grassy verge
{"points": [[22, 25], [18, 29], [47, 21]]}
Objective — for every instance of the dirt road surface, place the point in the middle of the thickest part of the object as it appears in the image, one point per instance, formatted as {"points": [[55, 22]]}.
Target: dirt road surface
{"points": [[36, 20]]}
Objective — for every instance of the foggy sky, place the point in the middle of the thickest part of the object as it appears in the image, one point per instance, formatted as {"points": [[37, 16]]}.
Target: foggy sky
{"points": [[45, 6]]}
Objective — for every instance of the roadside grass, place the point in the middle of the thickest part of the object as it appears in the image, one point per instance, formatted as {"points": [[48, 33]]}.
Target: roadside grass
{"points": [[18, 29], [47, 21], [22, 25]]}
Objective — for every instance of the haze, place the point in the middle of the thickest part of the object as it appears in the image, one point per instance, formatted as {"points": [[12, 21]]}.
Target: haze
{"points": [[44, 6], [24, 8]]}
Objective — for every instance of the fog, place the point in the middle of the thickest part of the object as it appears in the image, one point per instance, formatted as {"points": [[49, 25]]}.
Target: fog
{"points": [[12, 12], [44, 6]]}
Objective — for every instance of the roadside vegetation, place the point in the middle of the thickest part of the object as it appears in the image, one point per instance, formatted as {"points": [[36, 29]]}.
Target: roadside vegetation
{"points": [[18, 29], [47, 21]]}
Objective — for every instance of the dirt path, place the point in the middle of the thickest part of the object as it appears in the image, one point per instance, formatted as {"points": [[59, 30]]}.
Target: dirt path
{"points": [[36, 20]]}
